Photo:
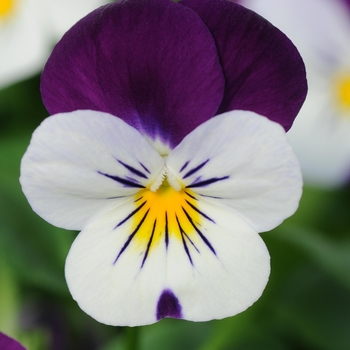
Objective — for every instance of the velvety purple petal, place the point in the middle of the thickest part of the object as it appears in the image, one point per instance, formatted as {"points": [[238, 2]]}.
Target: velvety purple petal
{"points": [[7, 343], [152, 63], [347, 3], [263, 70]]}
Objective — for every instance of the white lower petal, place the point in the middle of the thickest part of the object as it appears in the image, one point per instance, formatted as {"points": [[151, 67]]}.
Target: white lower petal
{"points": [[113, 293], [225, 283], [119, 281], [78, 162], [241, 160]]}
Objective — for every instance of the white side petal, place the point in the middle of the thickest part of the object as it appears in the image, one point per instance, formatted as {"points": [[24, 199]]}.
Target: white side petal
{"points": [[242, 160], [78, 162], [211, 278]]}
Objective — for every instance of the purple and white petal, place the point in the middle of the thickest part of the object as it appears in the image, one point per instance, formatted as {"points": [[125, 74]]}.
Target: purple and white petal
{"points": [[263, 70], [241, 160], [204, 267], [153, 63], [81, 162], [7, 343], [347, 4], [321, 31]]}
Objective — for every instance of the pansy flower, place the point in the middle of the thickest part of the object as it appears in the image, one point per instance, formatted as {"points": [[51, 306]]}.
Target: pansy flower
{"points": [[167, 149], [320, 135], [28, 30], [7, 343]]}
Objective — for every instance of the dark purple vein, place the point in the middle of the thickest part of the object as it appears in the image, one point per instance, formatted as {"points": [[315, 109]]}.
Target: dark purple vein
{"points": [[204, 195], [131, 214], [190, 240], [199, 211], [131, 236], [205, 240], [166, 231], [194, 170], [149, 243], [144, 167], [133, 170], [122, 181], [183, 240], [184, 166], [207, 182], [193, 197]]}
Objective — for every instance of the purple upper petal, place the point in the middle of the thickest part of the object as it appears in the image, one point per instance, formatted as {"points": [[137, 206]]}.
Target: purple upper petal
{"points": [[263, 70], [347, 3], [152, 63], [7, 343]]}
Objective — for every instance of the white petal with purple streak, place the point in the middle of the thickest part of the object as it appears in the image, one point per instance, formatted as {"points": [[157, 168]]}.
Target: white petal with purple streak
{"points": [[80, 162], [171, 236], [320, 135], [134, 276], [241, 160]]}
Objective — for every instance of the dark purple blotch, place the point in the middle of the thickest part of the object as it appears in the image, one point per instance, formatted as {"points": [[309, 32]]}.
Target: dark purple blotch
{"points": [[168, 305]]}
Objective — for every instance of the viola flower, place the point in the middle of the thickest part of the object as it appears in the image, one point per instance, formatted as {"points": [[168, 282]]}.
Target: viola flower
{"points": [[169, 200], [321, 32], [7, 343], [32, 27]]}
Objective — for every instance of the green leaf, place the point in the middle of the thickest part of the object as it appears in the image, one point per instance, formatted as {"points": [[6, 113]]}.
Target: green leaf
{"points": [[324, 210], [21, 107], [9, 299], [35, 249], [333, 256], [172, 334], [315, 309]]}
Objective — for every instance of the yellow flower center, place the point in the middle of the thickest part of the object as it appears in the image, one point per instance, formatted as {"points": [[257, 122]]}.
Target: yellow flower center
{"points": [[164, 211], [6, 8], [166, 214], [342, 92]]}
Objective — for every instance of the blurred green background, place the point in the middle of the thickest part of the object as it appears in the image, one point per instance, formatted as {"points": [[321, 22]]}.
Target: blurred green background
{"points": [[306, 304]]}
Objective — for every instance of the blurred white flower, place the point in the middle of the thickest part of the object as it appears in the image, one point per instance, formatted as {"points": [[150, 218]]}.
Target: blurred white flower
{"points": [[321, 133], [30, 28]]}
